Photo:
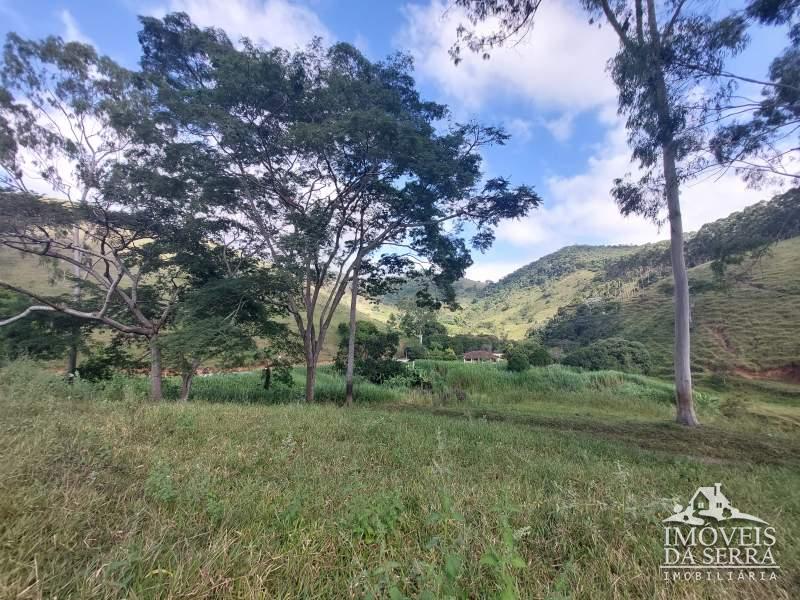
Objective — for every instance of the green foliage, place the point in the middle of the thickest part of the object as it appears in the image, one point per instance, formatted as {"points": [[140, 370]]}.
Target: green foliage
{"points": [[376, 521], [414, 350], [42, 335], [438, 353], [374, 352], [504, 560], [159, 484], [612, 353], [581, 324], [421, 322], [537, 355], [517, 360], [109, 360]]}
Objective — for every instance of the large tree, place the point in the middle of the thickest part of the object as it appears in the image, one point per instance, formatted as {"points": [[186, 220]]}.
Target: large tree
{"points": [[84, 186], [667, 51], [324, 159], [56, 104]]}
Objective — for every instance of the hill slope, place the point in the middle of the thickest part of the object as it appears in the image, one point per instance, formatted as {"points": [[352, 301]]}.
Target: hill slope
{"points": [[744, 321]]}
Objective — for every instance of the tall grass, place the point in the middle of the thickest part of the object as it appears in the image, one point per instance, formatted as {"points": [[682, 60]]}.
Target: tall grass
{"points": [[555, 388], [27, 378]]}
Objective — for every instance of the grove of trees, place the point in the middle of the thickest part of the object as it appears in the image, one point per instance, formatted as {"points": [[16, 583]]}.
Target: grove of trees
{"points": [[197, 201], [196, 205]]}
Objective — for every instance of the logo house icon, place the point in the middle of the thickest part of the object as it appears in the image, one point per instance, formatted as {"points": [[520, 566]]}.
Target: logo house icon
{"points": [[708, 503]]}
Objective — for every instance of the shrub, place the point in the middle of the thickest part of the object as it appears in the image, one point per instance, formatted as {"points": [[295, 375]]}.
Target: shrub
{"points": [[438, 354], [612, 353], [517, 360], [415, 351], [537, 355]]}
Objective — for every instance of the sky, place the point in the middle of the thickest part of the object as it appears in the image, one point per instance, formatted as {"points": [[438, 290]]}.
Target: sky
{"points": [[551, 92]]}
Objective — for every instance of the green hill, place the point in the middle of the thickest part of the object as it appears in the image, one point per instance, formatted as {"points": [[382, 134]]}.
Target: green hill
{"points": [[744, 278]]}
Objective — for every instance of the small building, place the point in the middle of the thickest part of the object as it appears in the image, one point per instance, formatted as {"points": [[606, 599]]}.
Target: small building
{"points": [[480, 356]]}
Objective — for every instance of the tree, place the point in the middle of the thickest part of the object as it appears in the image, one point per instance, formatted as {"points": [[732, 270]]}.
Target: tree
{"points": [[421, 322], [43, 335], [324, 158], [612, 353], [517, 360], [56, 103], [374, 352], [766, 146], [665, 52], [220, 320]]}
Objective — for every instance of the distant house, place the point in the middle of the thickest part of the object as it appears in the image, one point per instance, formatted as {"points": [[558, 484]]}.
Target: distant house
{"points": [[479, 356]]}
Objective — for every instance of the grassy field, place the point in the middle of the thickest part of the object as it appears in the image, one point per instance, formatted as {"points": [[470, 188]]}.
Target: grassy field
{"points": [[548, 484]]}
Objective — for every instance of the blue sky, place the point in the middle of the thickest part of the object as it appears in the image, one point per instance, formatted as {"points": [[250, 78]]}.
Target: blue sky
{"points": [[550, 92]]}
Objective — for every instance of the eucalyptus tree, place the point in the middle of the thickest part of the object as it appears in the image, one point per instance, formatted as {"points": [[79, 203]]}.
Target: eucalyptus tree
{"points": [[324, 159], [761, 138], [56, 103], [667, 67], [82, 189]]}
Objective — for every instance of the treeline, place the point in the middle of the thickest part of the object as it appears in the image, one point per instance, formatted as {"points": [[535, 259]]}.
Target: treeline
{"points": [[750, 230]]}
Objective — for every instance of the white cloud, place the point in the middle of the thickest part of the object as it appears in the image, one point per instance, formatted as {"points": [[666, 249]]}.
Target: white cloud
{"points": [[559, 65], [270, 22], [493, 270], [520, 129], [561, 127], [72, 32], [580, 209]]}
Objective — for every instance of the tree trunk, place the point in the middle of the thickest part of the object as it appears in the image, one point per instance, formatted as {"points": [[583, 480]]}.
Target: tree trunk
{"points": [[683, 367], [72, 352], [187, 377], [311, 378], [72, 355], [685, 414], [186, 385], [351, 342], [155, 369]]}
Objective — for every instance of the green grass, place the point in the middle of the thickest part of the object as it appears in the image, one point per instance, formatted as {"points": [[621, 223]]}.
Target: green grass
{"points": [[501, 486]]}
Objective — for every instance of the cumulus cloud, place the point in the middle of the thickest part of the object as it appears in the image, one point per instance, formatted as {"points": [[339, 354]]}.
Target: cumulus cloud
{"points": [[580, 209], [561, 127], [493, 270], [270, 22], [559, 65]]}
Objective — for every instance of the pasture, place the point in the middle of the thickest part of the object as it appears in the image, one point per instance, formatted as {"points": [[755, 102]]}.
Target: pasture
{"points": [[546, 484]]}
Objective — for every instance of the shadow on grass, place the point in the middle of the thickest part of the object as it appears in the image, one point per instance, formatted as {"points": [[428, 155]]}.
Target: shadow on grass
{"points": [[707, 444]]}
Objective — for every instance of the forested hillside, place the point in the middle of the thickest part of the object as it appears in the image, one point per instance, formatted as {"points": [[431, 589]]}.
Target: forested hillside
{"points": [[744, 278]]}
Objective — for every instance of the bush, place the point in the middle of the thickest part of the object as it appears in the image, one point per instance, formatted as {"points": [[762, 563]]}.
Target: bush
{"points": [[415, 351], [612, 353], [379, 370], [537, 355], [517, 360], [438, 354]]}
